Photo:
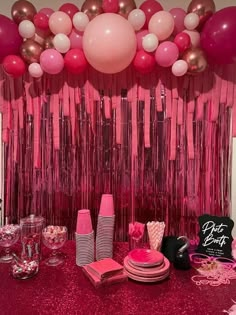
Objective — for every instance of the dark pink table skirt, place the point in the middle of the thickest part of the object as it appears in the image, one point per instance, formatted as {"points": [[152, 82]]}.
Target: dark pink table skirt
{"points": [[64, 290]]}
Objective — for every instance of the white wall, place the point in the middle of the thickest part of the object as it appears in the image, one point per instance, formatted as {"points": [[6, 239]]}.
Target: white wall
{"points": [[5, 9]]}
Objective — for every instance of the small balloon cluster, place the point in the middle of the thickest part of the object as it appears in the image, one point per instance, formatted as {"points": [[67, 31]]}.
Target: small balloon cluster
{"points": [[112, 34]]}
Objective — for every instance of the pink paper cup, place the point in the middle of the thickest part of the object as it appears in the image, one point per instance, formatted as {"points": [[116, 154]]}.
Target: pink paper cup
{"points": [[106, 205], [84, 223]]}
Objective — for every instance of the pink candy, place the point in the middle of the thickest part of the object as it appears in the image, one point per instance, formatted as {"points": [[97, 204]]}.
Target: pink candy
{"points": [[9, 234], [54, 236], [25, 269]]}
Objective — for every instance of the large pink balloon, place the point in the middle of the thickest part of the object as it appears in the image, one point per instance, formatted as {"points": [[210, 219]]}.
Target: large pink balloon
{"points": [[51, 61], [218, 37], [10, 38], [109, 43]]}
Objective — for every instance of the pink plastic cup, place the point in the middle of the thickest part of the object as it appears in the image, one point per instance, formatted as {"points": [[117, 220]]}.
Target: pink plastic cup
{"points": [[84, 223], [106, 205]]}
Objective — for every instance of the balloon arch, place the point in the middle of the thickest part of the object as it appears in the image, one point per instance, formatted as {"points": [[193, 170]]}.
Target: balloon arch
{"points": [[113, 98], [111, 35]]}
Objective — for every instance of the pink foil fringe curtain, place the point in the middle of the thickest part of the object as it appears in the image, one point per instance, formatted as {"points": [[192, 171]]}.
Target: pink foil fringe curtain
{"points": [[160, 144]]}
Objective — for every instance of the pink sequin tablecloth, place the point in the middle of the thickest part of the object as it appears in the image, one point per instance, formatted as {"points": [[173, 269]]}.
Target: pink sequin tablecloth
{"points": [[64, 290]]}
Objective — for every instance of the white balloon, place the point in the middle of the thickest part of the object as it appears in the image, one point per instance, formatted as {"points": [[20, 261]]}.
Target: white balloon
{"points": [[137, 19], [179, 68], [80, 21], [35, 70], [195, 37], [191, 21], [150, 42], [26, 29], [61, 43]]}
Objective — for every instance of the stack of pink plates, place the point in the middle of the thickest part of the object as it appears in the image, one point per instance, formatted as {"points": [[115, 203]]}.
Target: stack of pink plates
{"points": [[146, 265]]}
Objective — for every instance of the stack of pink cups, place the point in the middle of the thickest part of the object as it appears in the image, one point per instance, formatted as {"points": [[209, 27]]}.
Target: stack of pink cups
{"points": [[84, 237], [105, 228]]}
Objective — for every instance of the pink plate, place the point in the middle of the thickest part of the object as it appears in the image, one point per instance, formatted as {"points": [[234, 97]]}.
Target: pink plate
{"points": [[152, 272], [147, 279], [143, 257]]}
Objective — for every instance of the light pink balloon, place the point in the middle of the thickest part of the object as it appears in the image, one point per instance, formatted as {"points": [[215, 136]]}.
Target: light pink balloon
{"points": [[76, 39], [109, 43], [191, 21], [178, 15], [161, 24], [35, 70], [60, 22], [195, 37], [166, 54], [51, 61], [139, 36], [179, 68], [137, 19]]}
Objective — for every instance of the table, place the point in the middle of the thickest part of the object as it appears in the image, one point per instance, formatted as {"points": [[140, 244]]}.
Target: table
{"points": [[64, 290]]}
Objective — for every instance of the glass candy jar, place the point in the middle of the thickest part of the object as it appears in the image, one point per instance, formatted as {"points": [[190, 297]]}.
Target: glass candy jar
{"points": [[31, 233]]}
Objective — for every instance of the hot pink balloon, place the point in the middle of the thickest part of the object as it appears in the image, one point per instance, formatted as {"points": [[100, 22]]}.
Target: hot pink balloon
{"points": [[178, 15], [13, 66], [109, 43], [144, 62], [139, 36], [76, 39], [75, 61], [10, 38], [51, 61], [41, 21], [60, 22], [166, 54], [110, 6], [183, 41], [150, 7], [47, 11], [218, 37], [69, 8]]}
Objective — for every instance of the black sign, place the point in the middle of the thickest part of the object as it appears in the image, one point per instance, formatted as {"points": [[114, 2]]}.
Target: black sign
{"points": [[215, 236]]}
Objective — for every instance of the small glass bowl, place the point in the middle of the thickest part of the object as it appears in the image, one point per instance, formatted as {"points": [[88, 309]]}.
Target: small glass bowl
{"points": [[9, 235], [54, 237]]}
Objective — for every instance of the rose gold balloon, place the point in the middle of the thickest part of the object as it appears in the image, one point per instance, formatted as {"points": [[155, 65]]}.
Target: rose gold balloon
{"points": [[196, 60], [48, 43], [125, 7], [204, 9], [40, 36], [92, 8], [22, 10], [30, 51]]}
